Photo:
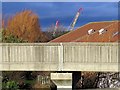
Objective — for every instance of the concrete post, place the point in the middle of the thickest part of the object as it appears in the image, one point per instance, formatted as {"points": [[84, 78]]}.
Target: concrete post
{"points": [[60, 68], [63, 81]]}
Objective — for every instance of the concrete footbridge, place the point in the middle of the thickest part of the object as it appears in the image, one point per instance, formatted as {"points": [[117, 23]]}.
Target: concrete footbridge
{"points": [[59, 56]]}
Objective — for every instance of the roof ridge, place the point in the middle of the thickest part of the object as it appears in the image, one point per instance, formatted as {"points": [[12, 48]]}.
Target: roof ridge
{"points": [[106, 21]]}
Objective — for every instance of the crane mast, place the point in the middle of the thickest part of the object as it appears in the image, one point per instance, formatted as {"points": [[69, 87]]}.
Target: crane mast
{"points": [[75, 20], [56, 27]]}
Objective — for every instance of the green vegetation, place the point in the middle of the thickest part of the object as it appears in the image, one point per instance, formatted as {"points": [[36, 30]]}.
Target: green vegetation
{"points": [[10, 85], [58, 34], [12, 39]]}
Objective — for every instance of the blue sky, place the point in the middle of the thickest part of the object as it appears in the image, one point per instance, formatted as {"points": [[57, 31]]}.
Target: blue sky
{"points": [[49, 12]]}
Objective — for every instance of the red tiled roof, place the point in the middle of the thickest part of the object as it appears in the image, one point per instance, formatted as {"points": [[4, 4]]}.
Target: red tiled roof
{"points": [[81, 34]]}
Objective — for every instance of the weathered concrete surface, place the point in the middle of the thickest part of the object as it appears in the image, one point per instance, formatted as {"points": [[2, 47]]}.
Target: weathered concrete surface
{"points": [[114, 67], [60, 56], [62, 80], [61, 76]]}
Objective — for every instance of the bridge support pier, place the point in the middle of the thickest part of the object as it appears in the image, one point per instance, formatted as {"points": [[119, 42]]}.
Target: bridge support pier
{"points": [[62, 80]]}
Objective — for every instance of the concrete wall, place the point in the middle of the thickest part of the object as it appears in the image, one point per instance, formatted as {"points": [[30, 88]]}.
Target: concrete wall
{"points": [[60, 56], [91, 57]]}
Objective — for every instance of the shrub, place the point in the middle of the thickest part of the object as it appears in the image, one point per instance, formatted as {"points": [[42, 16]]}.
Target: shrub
{"points": [[11, 85], [25, 25]]}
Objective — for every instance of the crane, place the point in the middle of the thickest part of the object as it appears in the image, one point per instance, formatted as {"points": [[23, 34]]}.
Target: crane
{"points": [[56, 27], [71, 27]]}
